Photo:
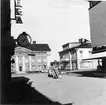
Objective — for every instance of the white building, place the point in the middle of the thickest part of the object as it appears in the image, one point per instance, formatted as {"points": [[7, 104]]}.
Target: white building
{"points": [[31, 58], [73, 54]]}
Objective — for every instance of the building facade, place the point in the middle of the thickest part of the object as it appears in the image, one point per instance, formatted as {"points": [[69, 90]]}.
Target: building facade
{"points": [[71, 58], [31, 58], [97, 16]]}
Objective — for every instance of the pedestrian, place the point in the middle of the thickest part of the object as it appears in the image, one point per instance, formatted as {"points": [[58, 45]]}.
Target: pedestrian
{"points": [[59, 70], [50, 71]]}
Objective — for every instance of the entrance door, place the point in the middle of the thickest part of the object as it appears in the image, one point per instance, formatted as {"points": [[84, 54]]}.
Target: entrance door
{"points": [[20, 68]]}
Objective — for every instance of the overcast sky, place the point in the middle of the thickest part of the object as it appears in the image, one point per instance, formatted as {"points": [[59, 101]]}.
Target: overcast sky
{"points": [[54, 22]]}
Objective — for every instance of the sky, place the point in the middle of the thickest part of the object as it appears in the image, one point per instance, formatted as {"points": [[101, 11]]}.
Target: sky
{"points": [[53, 22]]}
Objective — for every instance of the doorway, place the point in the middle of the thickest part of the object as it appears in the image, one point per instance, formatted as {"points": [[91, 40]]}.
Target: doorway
{"points": [[74, 66], [20, 68]]}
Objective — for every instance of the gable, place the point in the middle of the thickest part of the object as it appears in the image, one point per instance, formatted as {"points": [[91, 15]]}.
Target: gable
{"points": [[22, 50]]}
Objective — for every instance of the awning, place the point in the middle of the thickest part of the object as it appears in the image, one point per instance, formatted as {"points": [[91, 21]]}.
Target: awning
{"points": [[96, 56]]}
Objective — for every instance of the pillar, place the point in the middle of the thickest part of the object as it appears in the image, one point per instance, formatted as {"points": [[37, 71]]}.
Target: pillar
{"points": [[23, 60], [16, 62], [70, 60], [29, 63]]}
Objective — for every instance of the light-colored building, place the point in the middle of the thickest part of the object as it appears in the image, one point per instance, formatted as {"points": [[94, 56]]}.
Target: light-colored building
{"points": [[31, 58], [72, 56]]}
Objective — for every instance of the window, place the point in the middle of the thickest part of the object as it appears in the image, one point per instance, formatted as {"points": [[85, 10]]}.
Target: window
{"points": [[39, 66], [32, 59], [20, 60], [20, 68], [26, 62], [81, 53], [61, 57], [90, 52], [39, 59], [26, 59], [44, 59]]}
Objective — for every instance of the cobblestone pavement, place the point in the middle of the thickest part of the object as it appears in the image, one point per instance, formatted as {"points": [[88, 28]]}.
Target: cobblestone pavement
{"points": [[71, 89]]}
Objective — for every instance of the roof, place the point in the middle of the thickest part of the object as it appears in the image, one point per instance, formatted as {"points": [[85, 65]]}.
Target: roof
{"points": [[38, 47], [70, 43], [65, 45], [86, 45]]}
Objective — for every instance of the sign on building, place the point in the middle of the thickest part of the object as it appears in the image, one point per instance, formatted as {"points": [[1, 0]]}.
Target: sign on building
{"points": [[16, 11], [18, 20]]}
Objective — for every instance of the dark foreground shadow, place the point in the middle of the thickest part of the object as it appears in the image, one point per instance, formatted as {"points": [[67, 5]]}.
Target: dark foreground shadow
{"points": [[93, 73], [19, 92]]}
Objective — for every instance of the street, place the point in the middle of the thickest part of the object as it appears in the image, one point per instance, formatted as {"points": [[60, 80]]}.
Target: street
{"points": [[71, 89]]}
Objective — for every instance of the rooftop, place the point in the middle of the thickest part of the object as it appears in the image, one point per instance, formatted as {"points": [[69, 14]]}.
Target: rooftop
{"points": [[85, 45], [37, 47]]}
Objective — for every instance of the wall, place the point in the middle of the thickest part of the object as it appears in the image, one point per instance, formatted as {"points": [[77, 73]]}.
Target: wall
{"points": [[98, 24], [85, 53], [87, 64], [73, 59], [41, 59], [65, 56]]}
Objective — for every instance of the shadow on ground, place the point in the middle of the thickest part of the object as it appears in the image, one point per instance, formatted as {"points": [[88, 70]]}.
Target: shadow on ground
{"points": [[20, 92], [93, 73]]}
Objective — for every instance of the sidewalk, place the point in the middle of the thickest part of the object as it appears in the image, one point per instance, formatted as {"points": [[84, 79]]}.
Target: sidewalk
{"points": [[86, 73]]}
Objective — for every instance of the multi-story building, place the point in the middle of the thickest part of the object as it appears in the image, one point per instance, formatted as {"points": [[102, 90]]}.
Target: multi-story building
{"points": [[30, 58], [73, 53]]}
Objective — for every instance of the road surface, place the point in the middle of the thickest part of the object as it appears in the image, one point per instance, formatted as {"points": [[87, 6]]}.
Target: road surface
{"points": [[71, 89]]}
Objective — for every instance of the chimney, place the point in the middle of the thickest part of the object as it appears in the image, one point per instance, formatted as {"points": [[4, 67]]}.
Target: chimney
{"points": [[34, 42], [81, 40]]}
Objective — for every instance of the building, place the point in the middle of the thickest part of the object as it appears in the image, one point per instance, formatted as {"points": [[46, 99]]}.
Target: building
{"points": [[71, 58], [55, 63], [31, 58], [97, 18], [97, 24]]}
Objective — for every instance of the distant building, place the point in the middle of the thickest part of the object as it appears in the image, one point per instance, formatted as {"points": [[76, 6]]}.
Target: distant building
{"points": [[56, 63], [31, 58], [71, 58]]}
